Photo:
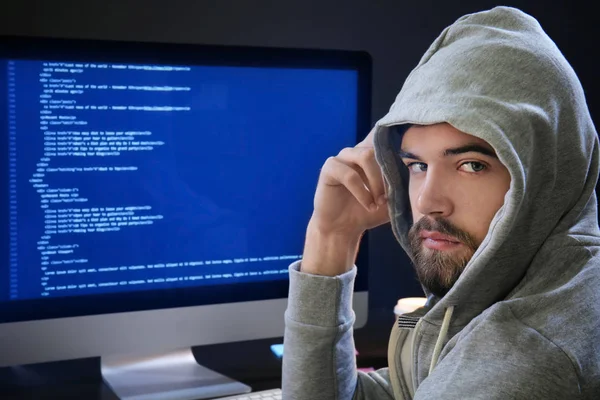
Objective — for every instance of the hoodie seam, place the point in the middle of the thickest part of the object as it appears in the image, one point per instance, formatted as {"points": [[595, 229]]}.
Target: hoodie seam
{"points": [[417, 339], [563, 352], [580, 244]]}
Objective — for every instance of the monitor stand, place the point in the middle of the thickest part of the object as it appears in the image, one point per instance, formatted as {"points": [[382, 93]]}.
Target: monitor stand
{"points": [[171, 376]]}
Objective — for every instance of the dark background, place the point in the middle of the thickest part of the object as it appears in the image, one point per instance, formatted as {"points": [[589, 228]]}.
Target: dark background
{"points": [[395, 33]]}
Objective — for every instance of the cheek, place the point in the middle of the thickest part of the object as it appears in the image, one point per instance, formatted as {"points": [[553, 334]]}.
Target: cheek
{"points": [[479, 206], [413, 191]]}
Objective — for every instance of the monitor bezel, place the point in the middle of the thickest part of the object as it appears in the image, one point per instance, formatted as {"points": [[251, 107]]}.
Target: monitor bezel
{"points": [[65, 49]]}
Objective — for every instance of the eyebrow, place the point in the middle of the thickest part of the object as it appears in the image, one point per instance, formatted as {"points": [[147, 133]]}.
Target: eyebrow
{"points": [[476, 148]]}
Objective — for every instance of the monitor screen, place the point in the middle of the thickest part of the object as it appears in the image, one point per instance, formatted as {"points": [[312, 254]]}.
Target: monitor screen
{"points": [[141, 177]]}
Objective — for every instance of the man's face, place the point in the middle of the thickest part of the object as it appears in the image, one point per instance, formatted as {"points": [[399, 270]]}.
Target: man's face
{"points": [[456, 186]]}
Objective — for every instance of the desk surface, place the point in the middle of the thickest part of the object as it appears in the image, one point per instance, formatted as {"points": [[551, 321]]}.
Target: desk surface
{"points": [[252, 363]]}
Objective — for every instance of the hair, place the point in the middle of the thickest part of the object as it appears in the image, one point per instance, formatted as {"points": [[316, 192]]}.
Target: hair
{"points": [[438, 271]]}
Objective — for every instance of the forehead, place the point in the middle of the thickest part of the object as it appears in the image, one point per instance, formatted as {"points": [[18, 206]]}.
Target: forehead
{"points": [[438, 137]]}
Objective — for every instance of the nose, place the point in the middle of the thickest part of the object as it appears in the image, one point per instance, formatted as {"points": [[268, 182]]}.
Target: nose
{"points": [[433, 195]]}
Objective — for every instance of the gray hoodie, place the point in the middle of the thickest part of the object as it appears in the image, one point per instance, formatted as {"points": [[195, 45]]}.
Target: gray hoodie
{"points": [[523, 320]]}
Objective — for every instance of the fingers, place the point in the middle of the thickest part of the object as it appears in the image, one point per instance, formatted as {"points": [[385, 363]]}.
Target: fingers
{"points": [[357, 169], [336, 172], [363, 157]]}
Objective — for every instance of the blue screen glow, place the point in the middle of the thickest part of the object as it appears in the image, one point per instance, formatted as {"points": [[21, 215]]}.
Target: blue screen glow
{"points": [[126, 177]]}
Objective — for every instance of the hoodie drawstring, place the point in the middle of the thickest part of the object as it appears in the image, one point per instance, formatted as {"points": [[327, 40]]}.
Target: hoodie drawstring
{"points": [[441, 337]]}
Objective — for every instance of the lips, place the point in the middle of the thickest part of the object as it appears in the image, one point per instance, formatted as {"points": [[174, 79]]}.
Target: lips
{"points": [[438, 237]]}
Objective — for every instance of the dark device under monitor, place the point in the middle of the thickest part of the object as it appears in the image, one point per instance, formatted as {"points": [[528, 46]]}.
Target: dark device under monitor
{"points": [[155, 195]]}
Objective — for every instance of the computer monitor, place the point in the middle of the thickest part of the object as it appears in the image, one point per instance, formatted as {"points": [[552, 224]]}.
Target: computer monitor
{"points": [[155, 195]]}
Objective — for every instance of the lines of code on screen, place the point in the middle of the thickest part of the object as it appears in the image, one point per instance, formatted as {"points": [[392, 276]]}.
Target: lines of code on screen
{"points": [[140, 177]]}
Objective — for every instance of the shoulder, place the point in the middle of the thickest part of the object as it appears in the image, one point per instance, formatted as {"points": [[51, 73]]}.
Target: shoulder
{"points": [[499, 357]]}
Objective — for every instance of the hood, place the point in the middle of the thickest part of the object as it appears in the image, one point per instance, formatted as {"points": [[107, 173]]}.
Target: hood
{"points": [[496, 75]]}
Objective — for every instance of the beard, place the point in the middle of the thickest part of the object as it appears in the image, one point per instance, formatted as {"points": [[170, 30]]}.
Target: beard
{"points": [[439, 270]]}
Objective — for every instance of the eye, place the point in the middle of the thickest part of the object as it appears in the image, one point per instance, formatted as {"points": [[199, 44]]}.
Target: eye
{"points": [[473, 166], [415, 167]]}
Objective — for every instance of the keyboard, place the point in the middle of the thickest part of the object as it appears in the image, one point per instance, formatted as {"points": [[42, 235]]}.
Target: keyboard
{"points": [[273, 394]]}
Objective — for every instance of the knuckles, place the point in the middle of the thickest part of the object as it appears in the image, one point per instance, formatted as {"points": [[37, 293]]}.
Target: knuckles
{"points": [[358, 154]]}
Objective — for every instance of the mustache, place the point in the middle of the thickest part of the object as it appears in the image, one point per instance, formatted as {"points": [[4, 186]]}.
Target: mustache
{"points": [[444, 227]]}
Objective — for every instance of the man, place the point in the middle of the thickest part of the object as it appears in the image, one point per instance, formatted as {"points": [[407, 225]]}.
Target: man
{"points": [[487, 162]]}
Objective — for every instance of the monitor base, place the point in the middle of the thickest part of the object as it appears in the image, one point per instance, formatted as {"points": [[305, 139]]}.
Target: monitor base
{"points": [[171, 376]]}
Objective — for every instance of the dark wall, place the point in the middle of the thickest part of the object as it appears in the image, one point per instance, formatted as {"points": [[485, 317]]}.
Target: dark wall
{"points": [[395, 33]]}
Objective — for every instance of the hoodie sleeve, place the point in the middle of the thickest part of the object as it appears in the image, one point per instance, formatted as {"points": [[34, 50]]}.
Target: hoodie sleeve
{"points": [[319, 360]]}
